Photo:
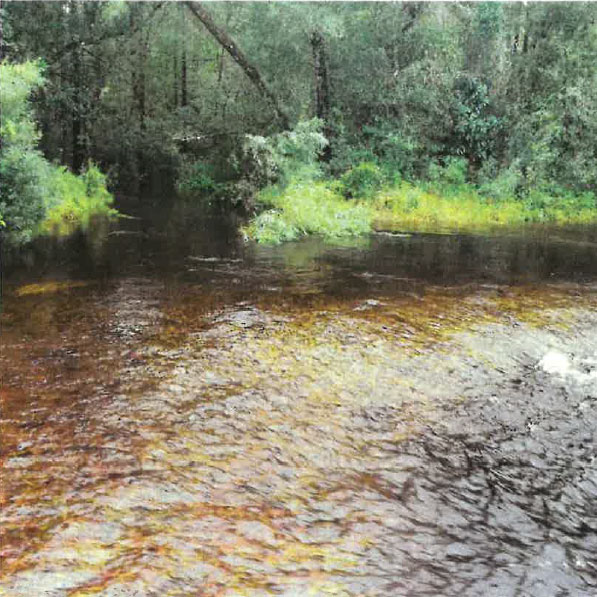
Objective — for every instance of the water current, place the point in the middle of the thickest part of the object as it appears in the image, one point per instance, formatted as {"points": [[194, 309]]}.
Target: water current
{"points": [[187, 414]]}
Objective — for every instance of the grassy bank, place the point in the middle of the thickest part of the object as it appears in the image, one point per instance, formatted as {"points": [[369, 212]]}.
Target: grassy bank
{"points": [[304, 208], [73, 201], [463, 209]]}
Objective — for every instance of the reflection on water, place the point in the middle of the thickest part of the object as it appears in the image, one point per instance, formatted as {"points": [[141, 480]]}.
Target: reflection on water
{"points": [[186, 414]]}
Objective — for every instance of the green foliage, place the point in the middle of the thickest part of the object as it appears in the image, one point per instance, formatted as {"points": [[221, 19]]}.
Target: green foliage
{"points": [[33, 191], [555, 203], [25, 178], [475, 126], [417, 208], [362, 181], [284, 156], [499, 184], [73, 201], [316, 208], [23, 170], [450, 178], [198, 178], [510, 87], [271, 228], [304, 208]]}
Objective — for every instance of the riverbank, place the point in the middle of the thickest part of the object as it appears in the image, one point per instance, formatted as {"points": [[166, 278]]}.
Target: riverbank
{"points": [[305, 208]]}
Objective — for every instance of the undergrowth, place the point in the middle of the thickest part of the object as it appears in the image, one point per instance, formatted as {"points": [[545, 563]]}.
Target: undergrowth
{"points": [[423, 208], [307, 207], [320, 207], [73, 201]]}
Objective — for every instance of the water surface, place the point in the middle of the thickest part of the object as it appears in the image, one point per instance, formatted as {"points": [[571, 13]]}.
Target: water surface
{"points": [[184, 413]]}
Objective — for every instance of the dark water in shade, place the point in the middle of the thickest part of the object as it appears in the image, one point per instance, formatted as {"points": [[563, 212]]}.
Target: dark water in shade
{"points": [[184, 413]]}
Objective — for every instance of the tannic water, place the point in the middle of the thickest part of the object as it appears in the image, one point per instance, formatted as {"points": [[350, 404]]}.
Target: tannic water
{"points": [[187, 414]]}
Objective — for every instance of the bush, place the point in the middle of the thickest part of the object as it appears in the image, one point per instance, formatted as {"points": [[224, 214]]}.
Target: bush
{"points": [[25, 185], [499, 186], [555, 203], [197, 177], [23, 170], [362, 181], [272, 228], [304, 208], [453, 172], [282, 157]]}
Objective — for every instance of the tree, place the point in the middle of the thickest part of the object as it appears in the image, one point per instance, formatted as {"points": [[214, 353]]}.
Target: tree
{"points": [[239, 57]]}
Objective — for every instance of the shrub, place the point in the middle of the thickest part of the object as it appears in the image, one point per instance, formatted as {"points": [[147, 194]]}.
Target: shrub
{"points": [[284, 156], [453, 171], [304, 208], [271, 228], [197, 177], [499, 186], [362, 181], [23, 170]]}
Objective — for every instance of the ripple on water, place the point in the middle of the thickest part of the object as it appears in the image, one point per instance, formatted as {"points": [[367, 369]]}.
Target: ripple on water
{"points": [[375, 446]]}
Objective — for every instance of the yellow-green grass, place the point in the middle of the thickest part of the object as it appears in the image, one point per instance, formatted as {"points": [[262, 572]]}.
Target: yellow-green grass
{"points": [[75, 200], [412, 208], [304, 208]]}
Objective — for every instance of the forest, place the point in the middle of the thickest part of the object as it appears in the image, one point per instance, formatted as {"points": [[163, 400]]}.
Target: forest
{"points": [[327, 118]]}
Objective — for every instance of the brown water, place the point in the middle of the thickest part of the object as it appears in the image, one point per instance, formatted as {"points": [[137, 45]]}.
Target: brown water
{"points": [[186, 414]]}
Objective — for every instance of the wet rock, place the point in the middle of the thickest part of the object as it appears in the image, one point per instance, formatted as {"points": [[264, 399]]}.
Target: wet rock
{"points": [[368, 304]]}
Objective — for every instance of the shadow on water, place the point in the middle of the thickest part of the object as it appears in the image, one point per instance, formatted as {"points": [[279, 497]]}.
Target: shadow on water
{"points": [[186, 413], [160, 239]]}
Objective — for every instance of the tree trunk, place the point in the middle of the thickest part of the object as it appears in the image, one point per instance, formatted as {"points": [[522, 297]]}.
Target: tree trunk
{"points": [[77, 125], [183, 79], [175, 71], [322, 88], [237, 55]]}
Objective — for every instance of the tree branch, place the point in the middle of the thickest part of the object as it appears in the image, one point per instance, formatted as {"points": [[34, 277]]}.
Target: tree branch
{"points": [[238, 56]]}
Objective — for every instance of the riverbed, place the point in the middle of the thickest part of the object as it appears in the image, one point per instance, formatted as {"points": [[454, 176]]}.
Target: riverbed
{"points": [[185, 413]]}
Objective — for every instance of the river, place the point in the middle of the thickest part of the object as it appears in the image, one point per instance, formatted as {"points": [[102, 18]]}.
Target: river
{"points": [[184, 413]]}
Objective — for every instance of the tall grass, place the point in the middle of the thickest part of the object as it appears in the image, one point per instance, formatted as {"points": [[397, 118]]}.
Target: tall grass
{"points": [[307, 207], [423, 208], [73, 201], [318, 207]]}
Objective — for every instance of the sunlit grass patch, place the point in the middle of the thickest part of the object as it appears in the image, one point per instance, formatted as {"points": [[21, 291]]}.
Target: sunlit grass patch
{"points": [[48, 287], [416, 208], [408, 207], [75, 200], [304, 208]]}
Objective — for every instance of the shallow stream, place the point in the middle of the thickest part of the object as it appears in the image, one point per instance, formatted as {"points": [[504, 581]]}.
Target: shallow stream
{"points": [[408, 415]]}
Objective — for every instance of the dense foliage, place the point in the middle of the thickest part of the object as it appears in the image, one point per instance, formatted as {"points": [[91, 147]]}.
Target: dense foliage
{"points": [[501, 96], [36, 196], [23, 170]]}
